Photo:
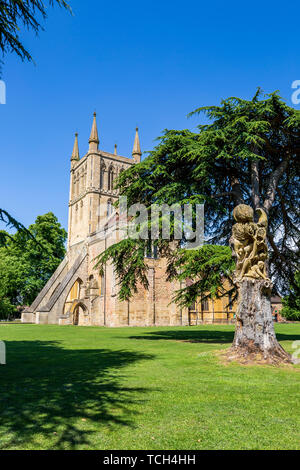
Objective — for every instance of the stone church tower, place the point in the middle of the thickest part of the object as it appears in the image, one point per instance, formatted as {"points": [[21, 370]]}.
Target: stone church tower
{"points": [[76, 294]]}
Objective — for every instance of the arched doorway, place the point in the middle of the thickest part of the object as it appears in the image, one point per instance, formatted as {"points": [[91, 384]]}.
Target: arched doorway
{"points": [[75, 294], [75, 309], [78, 311]]}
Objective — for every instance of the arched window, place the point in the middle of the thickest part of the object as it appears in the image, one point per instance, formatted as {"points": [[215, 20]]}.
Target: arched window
{"points": [[75, 292], [102, 172], [111, 178], [77, 184], [113, 282], [109, 208], [102, 286]]}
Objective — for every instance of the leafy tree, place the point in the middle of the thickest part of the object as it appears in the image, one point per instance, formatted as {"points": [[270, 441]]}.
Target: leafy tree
{"points": [[248, 154], [7, 310], [291, 303], [17, 13], [27, 264], [9, 221]]}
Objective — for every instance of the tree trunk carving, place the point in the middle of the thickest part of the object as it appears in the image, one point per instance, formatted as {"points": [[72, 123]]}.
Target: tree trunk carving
{"points": [[255, 338]]}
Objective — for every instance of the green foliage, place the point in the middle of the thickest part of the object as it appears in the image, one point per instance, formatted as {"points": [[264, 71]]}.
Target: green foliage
{"points": [[205, 268], [17, 13], [130, 265], [7, 310], [248, 153], [291, 303], [26, 264], [9, 221]]}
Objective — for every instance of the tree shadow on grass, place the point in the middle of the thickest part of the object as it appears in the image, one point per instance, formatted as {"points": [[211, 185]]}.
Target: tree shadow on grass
{"points": [[285, 337], [63, 396], [191, 336], [203, 336]]}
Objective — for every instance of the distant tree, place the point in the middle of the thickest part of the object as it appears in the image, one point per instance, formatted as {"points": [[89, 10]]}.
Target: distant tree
{"points": [[15, 14], [291, 303], [26, 264], [7, 310], [9, 221]]}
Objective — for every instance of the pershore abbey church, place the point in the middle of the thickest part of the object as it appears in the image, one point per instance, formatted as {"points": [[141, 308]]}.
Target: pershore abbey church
{"points": [[76, 294]]}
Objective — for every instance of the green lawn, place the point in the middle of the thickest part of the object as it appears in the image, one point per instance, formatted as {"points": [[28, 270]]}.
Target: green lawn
{"points": [[142, 388]]}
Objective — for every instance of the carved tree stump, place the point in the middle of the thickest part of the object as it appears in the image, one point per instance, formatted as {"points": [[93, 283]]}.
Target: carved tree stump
{"points": [[255, 338]]}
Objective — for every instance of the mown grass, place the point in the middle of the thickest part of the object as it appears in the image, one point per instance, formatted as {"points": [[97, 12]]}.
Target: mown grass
{"points": [[142, 388]]}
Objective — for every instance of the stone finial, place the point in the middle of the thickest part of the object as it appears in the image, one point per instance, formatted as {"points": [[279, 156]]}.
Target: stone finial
{"points": [[136, 152], [94, 138], [75, 153], [116, 151]]}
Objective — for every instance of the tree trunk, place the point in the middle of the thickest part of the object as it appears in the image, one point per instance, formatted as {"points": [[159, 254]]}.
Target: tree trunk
{"points": [[255, 339]]}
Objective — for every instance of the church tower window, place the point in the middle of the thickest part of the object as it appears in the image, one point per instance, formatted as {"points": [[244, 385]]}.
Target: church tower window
{"points": [[109, 208], [110, 179], [102, 178]]}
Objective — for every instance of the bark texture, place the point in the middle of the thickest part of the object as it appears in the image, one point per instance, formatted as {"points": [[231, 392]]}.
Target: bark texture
{"points": [[255, 339]]}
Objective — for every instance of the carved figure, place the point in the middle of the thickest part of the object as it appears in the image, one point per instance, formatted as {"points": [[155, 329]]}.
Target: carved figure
{"points": [[249, 243]]}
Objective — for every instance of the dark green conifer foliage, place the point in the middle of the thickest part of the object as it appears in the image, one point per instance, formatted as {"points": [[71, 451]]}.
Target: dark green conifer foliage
{"points": [[247, 153]]}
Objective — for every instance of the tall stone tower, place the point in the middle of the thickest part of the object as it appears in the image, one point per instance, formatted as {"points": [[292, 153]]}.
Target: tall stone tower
{"points": [[76, 293], [92, 192]]}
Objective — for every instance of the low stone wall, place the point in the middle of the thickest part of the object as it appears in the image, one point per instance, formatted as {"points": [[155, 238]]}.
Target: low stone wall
{"points": [[28, 317]]}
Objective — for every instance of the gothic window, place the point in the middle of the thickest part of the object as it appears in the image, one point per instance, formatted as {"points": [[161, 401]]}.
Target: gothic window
{"points": [[76, 291], [102, 285], [78, 187], [102, 172], [75, 185], [109, 208], [82, 181], [205, 305], [113, 282], [110, 178], [85, 176]]}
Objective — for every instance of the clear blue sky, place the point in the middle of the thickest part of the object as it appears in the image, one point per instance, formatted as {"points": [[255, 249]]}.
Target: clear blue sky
{"points": [[137, 63]]}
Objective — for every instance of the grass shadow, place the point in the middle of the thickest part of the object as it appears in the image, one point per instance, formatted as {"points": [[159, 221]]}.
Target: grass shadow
{"points": [[63, 395], [191, 336], [285, 337], [203, 336]]}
